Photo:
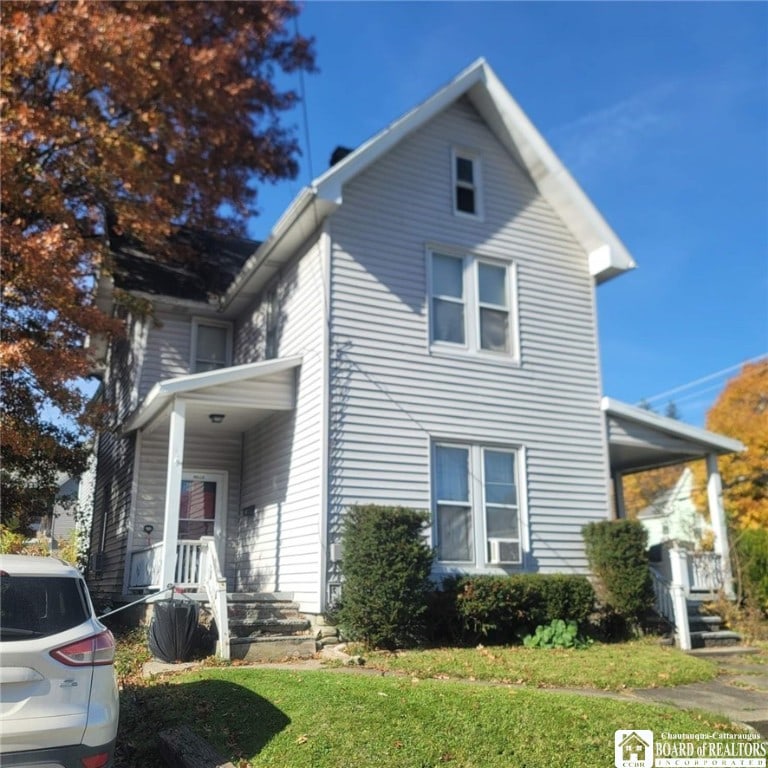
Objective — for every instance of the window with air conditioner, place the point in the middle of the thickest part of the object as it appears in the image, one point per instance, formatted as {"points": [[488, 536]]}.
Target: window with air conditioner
{"points": [[477, 505]]}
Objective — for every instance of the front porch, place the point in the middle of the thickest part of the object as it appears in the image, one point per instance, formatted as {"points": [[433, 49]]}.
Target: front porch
{"points": [[206, 480], [640, 440]]}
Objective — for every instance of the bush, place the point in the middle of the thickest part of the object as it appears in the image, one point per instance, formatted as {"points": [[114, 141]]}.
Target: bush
{"points": [[386, 565], [503, 609], [751, 550], [616, 550]]}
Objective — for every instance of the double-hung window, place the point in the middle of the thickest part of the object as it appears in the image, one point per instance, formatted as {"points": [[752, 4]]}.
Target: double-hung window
{"points": [[477, 508], [211, 345], [471, 303]]}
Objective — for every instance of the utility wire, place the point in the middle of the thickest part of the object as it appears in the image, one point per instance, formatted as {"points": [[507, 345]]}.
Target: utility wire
{"points": [[305, 114], [703, 379]]}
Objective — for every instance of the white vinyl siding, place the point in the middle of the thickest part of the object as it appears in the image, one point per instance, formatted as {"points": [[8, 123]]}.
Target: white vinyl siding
{"points": [[279, 547], [391, 400]]}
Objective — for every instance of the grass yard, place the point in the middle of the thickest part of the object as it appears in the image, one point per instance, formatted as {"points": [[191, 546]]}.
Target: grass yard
{"points": [[330, 719], [638, 664]]}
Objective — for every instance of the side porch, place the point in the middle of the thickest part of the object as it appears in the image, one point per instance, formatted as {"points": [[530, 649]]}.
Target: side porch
{"points": [[640, 440]]}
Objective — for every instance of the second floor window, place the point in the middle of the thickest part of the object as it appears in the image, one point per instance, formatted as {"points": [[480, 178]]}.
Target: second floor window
{"points": [[211, 346], [471, 304]]}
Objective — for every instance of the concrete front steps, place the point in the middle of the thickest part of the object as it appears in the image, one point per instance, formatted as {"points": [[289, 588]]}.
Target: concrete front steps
{"points": [[267, 626], [706, 628]]}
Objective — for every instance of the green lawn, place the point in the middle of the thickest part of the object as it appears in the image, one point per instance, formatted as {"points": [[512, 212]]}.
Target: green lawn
{"points": [[333, 719], [639, 664], [339, 719]]}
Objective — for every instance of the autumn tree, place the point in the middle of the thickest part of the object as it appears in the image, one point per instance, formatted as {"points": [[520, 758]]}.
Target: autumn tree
{"points": [[741, 412], [131, 117]]}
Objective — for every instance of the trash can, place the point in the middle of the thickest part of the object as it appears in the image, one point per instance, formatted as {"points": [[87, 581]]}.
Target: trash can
{"points": [[172, 630]]}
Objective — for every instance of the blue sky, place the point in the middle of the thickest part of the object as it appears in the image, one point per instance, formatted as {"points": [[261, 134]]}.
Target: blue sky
{"points": [[659, 110]]}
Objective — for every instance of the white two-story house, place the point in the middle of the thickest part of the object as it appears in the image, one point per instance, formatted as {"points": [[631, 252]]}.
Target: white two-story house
{"points": [[419, 329]]}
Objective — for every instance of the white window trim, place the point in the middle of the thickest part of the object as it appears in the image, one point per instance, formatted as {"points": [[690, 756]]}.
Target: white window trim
{"points": [[481, 562], [196, 323], [471, 302], [477, 177]]}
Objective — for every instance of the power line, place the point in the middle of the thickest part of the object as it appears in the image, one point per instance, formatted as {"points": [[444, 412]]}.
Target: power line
{"points": [[703, 379], [305, 114]]}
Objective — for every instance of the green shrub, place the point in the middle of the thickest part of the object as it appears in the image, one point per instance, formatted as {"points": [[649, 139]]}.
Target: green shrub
{"points": [[751, 550], [617, 554], [386, 565], [559, 634], [502, 609]]}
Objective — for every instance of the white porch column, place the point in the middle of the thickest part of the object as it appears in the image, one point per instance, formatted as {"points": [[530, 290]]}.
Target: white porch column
{"points": [[717, 515], [173, 492]]}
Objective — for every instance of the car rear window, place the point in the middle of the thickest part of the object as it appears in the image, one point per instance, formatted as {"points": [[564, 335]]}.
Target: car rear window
{"points": [[37, 606]]}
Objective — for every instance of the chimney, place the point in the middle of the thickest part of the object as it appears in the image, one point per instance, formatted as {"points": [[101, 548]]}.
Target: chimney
{"points": [[339, 154]]}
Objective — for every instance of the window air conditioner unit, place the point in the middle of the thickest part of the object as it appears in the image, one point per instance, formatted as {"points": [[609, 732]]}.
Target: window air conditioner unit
{"points": [[503, 551]]}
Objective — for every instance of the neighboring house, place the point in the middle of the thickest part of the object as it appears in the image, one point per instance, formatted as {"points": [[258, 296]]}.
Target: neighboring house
{"points": [[59, 524], [673, 516], [419, 329]]}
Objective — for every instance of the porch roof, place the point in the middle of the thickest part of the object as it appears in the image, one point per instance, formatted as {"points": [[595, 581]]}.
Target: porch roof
{"points": [[241, 393], [639, 439]]}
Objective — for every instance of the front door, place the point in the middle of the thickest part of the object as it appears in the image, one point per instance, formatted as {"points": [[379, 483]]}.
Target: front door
{"points": [[203, 509]]}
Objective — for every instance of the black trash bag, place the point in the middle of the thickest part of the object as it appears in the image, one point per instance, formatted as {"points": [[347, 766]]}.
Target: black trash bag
{"points": [[172, 630]]}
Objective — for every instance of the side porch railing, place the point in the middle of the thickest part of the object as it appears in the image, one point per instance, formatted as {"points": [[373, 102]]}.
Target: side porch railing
{"points": [[215, 586], [197, 569], [680, 576]]}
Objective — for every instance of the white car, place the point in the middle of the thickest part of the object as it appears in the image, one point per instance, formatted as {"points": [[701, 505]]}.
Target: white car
{"points": [[59, 703]]}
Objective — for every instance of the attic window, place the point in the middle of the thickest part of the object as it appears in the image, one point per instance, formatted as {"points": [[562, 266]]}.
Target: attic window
{"points": [[466, 184]]}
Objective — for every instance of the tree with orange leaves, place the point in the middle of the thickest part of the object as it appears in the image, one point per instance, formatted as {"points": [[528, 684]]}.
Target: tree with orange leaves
{"points": [[136, 117], [741, 412]]}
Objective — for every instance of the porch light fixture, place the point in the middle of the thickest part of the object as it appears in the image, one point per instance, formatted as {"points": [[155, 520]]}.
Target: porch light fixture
{"points": [[216, 418]]}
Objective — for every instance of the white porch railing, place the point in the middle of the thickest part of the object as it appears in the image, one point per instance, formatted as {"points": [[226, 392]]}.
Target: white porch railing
{"points": [[190, 563], [197, 568], [671, 603], [214, 585], [145, 568], [682, 575], [705, 572]]}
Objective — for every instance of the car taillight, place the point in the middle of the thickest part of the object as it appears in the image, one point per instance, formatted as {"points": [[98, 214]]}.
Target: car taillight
{"points": [[95, 761], [92, 652]]}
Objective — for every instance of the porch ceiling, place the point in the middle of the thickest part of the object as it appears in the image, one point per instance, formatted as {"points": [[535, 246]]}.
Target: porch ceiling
{"points": [[639, 439], [243, 394]]}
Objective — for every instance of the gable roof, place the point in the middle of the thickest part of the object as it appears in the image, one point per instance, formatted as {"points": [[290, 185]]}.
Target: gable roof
{"points": [[608, 256]]}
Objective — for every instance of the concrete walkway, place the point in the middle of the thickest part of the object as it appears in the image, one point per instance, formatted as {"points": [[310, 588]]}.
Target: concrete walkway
{"points": [[740, 692]]}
